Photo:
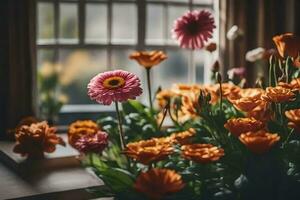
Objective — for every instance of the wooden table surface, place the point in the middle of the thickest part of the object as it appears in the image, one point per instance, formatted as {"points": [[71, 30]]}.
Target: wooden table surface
{"points": [[68, 180]]}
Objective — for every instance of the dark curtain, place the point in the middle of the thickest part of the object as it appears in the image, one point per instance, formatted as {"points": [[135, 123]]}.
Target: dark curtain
{"points": [[260, 20], [17, 58]]}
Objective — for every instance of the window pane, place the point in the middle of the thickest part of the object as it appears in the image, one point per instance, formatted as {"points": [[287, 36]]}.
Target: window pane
{"points": [[45, 56], [68, 24], [172, 70], [155, 24], [120, 60], [78, 67], [173, 13], [45, 18], [124, 23], [96, 23], [181, 1], [200, 57], [204, 1]]}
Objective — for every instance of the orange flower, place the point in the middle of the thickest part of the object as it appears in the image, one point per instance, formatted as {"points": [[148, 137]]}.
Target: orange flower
{"points": [[202, 153], [189, 106], [157, 183], [294, 119], [148, 59], [35, 139], [163, 97], [184, 137], [287, 45], [81, 128], [259, 142], [297, 61], [295, 83], [148, 151], [247, 104], [278, 94], [241, 125], [227, 89]]}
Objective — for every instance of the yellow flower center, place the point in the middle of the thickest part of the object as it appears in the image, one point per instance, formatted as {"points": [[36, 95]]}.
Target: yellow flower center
{"points": [[113, 82]]}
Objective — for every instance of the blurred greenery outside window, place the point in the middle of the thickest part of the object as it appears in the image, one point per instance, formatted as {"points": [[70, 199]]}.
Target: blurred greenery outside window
{"points": [[77, 39]]}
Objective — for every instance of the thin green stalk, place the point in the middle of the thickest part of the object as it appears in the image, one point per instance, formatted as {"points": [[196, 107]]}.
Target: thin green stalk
{"points": [[121, 133], [149, 87], [164, 116], [288, 137]]}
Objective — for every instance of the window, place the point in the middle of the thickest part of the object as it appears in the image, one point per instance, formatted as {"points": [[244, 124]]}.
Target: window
{"points": [[84, 37]]}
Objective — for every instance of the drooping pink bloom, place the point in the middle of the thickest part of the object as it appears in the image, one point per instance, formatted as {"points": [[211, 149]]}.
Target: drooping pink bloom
{"points": [[117, 85], [193, 29], [92, 143]]}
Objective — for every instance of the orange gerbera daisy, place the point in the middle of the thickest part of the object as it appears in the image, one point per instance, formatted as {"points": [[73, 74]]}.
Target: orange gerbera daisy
{"points": [[294, 119], [259, 142], [157, 183], [278, 94], [35, 139], [149, 151], [202, 153], [81, 128], [227, 89], [241, 125], [148, 59], [184, 136]]}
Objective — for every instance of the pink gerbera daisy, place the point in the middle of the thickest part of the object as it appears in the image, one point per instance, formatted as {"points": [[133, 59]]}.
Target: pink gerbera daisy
{"points": [[114, 86], [193, 29], [92, 143]]}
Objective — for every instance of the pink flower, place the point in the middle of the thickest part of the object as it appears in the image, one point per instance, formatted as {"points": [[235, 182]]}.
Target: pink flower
{"points": [[237, 72], [117, 85], [92, 143], [193, 29]]}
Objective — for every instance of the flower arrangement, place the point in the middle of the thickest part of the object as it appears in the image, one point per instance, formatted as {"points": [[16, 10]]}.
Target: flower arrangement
{"points": [[225, 141]]}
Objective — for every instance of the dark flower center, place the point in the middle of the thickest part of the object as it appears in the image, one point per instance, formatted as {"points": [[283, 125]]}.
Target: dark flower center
{"points": [[193, 28], [114, 82]]}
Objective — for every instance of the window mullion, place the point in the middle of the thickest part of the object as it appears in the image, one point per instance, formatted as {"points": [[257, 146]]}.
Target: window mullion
{"points": [[81, 19], [109, 34], [141, 6]]}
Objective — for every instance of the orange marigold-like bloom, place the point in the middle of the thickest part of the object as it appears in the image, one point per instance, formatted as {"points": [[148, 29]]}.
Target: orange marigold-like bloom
{"points": [[247, 104], [228, 89], [148, 59], [287, 45], [278, 94], [81, 128], [242, 125], [259, 142], [189, 106], [163, 97], [294, 119], [202, 153], [248, 100], [295, 83], [148, 151], [35, 139], [157, 183], [184, 137]]}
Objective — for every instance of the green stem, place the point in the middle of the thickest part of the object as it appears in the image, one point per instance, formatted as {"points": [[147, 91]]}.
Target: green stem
{"points": [[164, 116], [221, 96], [122, 137], [149, 87], [288, 137]]}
